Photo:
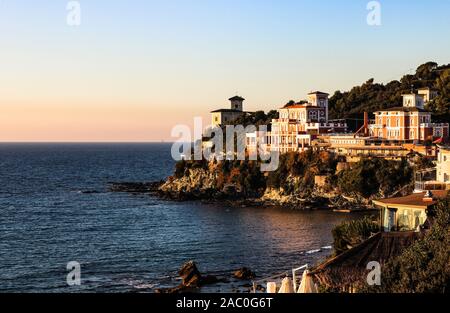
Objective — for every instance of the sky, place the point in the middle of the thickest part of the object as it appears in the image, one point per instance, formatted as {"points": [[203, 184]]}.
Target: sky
{"points": [[132, 70]]}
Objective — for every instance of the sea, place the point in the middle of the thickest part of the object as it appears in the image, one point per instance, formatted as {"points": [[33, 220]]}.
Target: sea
{"points": [[56, 211]]}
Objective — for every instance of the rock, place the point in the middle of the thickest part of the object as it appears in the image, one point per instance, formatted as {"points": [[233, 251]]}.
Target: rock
{"points": [[230, 190], [88, 192], [209, 280], [244, 274], [133, 187], [190, 275], [192, 280]]}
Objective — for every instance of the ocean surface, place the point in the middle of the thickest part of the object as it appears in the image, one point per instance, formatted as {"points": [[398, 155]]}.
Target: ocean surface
{"points": [[55, 208]]}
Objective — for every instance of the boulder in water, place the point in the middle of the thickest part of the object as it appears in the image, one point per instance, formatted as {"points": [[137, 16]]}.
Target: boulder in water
{"points": [[190, 275], [244, 274]]}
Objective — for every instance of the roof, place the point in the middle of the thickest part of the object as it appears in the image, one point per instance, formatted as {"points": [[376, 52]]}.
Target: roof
{"points": [[227, 111], [302, 106], [365, 147], [236, 98], [414, 200], [294, 106], [318, 93], [349, 267], [403, 109], [427, 88]]}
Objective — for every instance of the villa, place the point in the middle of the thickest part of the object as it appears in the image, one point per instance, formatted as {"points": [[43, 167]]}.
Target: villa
{"points": [[410, 122], [437, 178], [224, 117], [299, 123]]}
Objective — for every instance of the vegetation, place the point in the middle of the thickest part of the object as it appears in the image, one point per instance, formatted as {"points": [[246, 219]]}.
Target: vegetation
{"points": [[305, 166], [371, 177], [245, 175], [352, 233], [371, 96], [424, 266], [296, 174], [257, 118]]}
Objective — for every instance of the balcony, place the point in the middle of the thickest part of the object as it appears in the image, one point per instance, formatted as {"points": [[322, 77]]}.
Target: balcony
{"points": [[433, 125]]}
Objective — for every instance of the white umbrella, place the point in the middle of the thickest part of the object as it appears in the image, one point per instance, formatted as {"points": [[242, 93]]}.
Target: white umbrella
{"points": [[286, 286], [272, 287], [307, 285]]}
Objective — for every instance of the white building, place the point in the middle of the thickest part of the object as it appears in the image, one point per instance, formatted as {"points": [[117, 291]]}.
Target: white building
{"points": [[223, 117], [299, 123], [427, 94], [443, 165], [258, 142]]}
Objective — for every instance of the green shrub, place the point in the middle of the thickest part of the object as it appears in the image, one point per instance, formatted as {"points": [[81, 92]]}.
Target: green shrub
{"points": [[352, 233]]}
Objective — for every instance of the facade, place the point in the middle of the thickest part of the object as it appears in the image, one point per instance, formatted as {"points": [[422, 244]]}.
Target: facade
{"points": [[409, 123], [407, 213], [355, 147], [299, 123], [228, 116], [437, 178], [443, 166], [258, 141], [427, 94]]}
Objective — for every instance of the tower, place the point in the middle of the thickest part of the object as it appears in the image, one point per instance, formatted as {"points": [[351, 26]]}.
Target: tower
{"points": [[237, 103], [319, 99], [413, 101]]}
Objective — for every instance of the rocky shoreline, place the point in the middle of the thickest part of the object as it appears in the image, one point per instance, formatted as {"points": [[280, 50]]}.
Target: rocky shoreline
{"points": [[231, 197]]}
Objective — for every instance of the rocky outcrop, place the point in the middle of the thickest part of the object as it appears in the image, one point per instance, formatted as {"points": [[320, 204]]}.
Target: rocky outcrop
{"points": [[190, 275], [199, 184], [191, 279], [203, 184], [133, 187], [244, 274]]}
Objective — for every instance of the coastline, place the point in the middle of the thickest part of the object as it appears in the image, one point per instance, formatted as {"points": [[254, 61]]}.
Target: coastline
{"points": [[332, 203]]}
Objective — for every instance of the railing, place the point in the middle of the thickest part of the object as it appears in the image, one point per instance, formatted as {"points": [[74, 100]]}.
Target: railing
{"points": [[279, 277], [430, 125], [294, 276]]}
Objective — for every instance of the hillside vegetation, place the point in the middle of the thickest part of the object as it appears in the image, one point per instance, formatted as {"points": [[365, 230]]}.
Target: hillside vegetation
{"points": [[371, 96]]}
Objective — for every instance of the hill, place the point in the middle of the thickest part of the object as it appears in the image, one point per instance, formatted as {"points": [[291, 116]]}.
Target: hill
{"points": [[371, 96]]}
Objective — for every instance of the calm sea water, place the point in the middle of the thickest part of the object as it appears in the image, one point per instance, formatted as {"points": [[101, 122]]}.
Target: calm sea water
{"points": [[55, 208]]}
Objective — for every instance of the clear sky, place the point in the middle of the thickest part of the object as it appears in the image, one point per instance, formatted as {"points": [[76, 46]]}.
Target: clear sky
{"points": [[133, 69]]}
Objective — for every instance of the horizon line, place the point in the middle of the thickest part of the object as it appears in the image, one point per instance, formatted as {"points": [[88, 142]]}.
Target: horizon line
{"points": [[94, 142]]}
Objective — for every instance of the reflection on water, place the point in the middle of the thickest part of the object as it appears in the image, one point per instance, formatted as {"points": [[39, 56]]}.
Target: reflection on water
{"points": [[126, 242]]}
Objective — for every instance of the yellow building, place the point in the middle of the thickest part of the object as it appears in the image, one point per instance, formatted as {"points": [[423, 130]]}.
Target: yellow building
{"points": [[228, 116]]}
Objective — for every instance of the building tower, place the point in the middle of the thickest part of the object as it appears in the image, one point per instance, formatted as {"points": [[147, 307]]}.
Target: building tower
{"points": [[237, 103], [319, 99]]}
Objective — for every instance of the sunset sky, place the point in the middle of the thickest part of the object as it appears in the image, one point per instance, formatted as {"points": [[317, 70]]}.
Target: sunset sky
{"points": [[134, 69]]}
